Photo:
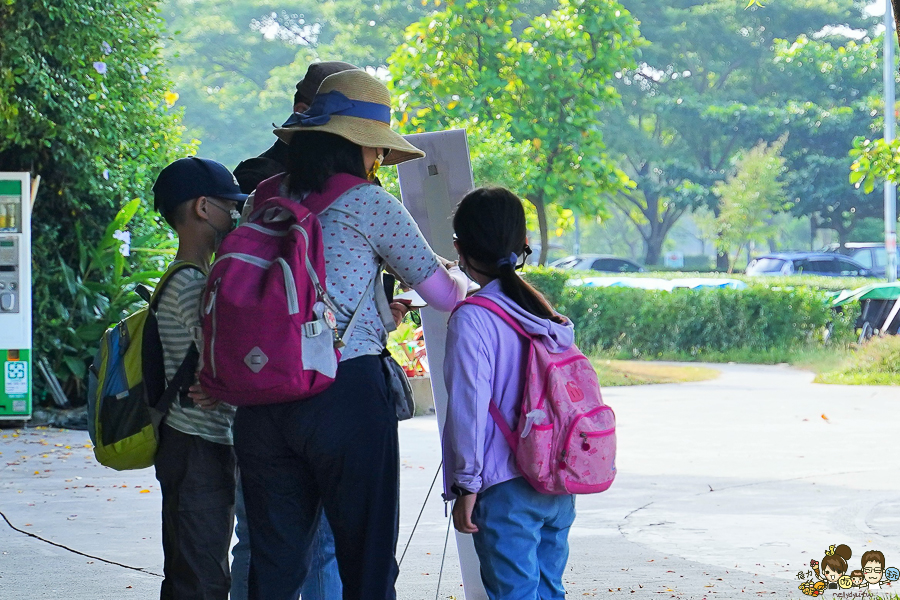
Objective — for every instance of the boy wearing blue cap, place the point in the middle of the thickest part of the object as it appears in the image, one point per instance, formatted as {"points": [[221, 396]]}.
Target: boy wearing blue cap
{"points": [[195, 463]]}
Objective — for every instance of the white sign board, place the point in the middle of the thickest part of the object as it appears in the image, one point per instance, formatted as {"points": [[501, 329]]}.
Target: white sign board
{"points": [[674, 259], [430, 189]]}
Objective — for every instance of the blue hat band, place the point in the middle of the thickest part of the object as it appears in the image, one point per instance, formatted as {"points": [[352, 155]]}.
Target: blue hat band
{"points": [[334, 103]]}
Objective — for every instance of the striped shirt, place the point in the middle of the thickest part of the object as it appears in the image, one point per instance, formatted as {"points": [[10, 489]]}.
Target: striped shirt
{"points": [[179, 325]]}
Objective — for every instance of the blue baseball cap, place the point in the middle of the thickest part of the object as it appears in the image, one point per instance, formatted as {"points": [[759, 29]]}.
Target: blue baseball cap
{"points": [[192, 177]]}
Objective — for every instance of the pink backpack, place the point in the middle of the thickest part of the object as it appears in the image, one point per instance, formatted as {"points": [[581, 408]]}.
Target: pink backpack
{"points": [[565, 439], [269, 329]]}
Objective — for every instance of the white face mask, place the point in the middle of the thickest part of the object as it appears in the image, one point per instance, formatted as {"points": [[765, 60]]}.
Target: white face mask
{"points": [[235, 221]]}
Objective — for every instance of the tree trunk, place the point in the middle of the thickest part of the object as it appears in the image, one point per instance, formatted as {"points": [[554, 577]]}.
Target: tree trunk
{"points": [[841, 230], [654, 243], [737, 254], [813, 230], [654, 227], [538, 202], [722, 262]]}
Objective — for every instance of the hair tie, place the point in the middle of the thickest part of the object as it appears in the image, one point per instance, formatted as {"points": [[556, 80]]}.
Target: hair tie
{"points": [[830, 551], [512, 260]]}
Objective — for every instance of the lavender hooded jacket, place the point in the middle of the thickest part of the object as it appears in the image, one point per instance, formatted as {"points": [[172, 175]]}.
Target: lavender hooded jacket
{"points": [[486, 359]]}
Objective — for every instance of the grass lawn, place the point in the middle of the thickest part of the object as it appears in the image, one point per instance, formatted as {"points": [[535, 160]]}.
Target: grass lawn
{"points": [[877, 362], [626, 372]]}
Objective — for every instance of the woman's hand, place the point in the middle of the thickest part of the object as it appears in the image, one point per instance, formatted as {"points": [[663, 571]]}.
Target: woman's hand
{"points": [[462, 514], [399, 308], [202, 399]]}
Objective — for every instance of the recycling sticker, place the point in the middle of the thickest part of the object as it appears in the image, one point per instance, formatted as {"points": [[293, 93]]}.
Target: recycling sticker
{"points": [[16, 380]]}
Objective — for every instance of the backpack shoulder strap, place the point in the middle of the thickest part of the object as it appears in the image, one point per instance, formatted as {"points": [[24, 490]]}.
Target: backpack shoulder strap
{"points": [[356, 313], [182, 379], [188, 367], [267, 188], [335, 187], [493, 409], [315, 202], [497, 310], [164, 281], [502, 425]]}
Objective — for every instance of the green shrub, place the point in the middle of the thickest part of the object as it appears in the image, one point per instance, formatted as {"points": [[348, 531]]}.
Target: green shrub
{"points": [[83, 104], [550, 282], [656, 324], [831, 284]]}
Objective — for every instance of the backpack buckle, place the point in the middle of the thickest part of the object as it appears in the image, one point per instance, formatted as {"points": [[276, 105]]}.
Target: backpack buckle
{"points": [[312, 329]]}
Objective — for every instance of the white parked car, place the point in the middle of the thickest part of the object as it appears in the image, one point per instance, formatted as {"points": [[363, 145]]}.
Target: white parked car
{"points": [[598, 262]]}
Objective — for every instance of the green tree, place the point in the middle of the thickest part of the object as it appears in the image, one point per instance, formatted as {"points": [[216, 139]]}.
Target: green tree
{"points": [[750, 199], [543, 86], [83, 105], [875, 160], [704, 88], [832, 89], [235, 64]]}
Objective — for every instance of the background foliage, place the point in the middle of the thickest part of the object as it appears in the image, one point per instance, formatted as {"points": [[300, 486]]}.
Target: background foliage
{"points": [[714, 79], [82, 103], [543, 86], [235, 65], [717, 78], [626, 115], [691, 324]]}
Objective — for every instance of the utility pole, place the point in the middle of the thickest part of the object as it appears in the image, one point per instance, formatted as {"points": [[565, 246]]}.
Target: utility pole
{"points": [[890, 190], [577, 245]]}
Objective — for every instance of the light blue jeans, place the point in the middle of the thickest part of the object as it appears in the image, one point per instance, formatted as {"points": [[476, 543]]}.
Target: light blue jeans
{"points": [[323, 581], [522, 541]]}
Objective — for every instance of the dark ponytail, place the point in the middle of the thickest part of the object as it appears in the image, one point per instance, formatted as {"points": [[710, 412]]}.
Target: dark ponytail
{"points": [[490, 229]]}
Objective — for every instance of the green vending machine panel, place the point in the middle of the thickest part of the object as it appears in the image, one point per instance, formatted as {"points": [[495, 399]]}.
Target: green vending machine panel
{"points": [[16, 364], [15, 393]]}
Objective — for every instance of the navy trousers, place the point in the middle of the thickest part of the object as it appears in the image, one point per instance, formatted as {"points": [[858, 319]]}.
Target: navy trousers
{"points": [[337, 452], [197, 478]]}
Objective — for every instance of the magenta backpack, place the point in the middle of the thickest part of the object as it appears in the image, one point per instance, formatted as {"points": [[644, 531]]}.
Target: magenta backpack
{"points": [[269, 329], [565, 439]]}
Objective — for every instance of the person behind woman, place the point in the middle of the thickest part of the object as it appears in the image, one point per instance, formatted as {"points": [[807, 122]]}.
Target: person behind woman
{"points": [[521, 536], [338, 451]]}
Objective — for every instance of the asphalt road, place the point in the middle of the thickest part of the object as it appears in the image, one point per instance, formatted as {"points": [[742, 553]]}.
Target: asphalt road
{"points": [[726, 489]]}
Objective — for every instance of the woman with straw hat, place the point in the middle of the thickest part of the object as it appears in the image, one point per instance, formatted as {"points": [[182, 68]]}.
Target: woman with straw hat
{"points": [[338, 451]]}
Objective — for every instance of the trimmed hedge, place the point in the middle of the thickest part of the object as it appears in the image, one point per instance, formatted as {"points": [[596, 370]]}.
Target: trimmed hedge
{"points": [[651, 324]]}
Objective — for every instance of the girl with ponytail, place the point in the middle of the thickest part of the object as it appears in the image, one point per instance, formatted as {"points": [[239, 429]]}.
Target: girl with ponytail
{"points": [[520, 535]]}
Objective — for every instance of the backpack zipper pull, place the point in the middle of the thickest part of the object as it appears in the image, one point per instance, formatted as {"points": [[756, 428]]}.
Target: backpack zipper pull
{"points": [[584, 445]]}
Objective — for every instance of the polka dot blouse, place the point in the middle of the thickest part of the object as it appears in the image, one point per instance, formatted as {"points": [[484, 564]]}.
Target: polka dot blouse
{"points": [[364, 227]]}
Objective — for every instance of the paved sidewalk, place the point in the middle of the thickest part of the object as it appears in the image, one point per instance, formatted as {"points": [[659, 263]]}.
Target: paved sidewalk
{"points": [[726, 489]]}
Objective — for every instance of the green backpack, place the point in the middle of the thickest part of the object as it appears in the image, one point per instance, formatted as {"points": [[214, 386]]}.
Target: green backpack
{"points": [[128, 394]]}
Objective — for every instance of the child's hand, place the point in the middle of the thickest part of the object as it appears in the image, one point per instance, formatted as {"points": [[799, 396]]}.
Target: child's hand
{"points": [[448, 264], [462, 514], [201, 399]]}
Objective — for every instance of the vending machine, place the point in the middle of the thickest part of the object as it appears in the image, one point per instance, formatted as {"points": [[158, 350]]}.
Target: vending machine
{"points": [[16, 359]]}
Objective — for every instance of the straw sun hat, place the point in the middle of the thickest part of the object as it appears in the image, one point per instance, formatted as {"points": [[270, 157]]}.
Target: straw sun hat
{"points": [[357, 107]]}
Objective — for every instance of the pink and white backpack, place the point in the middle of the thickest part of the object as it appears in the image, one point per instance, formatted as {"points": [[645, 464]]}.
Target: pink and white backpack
{"points": [[565, 438], [269, 328]]}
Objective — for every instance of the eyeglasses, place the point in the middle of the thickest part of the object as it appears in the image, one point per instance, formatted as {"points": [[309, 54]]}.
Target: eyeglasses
{"points": [[873, 570], [232, 213]]}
